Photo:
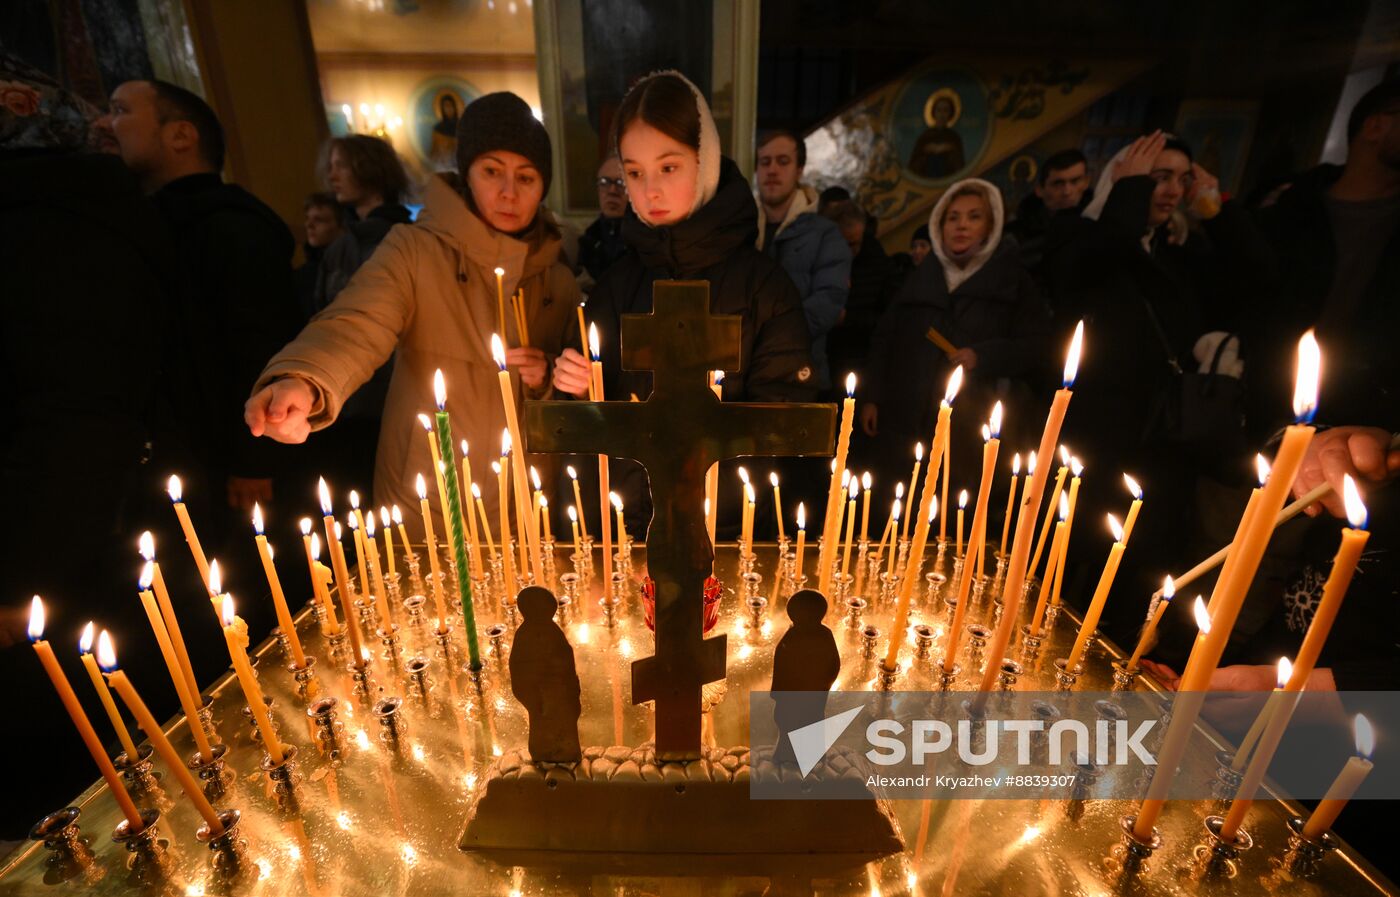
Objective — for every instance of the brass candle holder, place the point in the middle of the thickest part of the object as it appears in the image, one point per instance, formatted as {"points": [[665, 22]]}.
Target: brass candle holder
{"points": [[227, 845], [211, 771], [138, 774], [147, 853]]}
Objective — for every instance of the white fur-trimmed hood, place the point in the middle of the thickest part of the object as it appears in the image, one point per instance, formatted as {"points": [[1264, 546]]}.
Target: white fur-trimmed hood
{"points": [[707, 177], [954, 275]]}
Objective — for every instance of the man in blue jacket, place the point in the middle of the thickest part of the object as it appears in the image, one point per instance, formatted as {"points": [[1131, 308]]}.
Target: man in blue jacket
{"points": [[808, 246]]}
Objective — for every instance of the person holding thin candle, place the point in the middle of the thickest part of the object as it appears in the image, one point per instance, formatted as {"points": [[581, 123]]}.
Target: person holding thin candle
{"points": [[692, 217], [976, 294], [428, 297]]}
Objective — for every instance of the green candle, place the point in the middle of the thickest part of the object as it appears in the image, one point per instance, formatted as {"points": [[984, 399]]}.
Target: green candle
{"points": [[454, 507]]}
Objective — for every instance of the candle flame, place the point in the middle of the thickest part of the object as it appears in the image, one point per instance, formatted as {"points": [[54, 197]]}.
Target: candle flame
{"points": [[801, 516], [919, 452], [1261, 469], [573, 514], [146, 546], [36, 619], [1202, 615], [897, 509], [369, 528], [216, 578], [986, 433], [354, 500], [174, 488], [573, 474], [1133, 487], [1076, 346], [845, 478], [955, 380], [1030, 464], [544, 502], [496, 467], [339, 533], [1064, 456], [1356, 508], [227, 611], [258, 518], [773, 478], [962, 499], [855, 488], [498, 351], [995, 423], [1168, 588], [85, 640], [476, 490], [1309, 372], [351, 522], [898, 490], [466, 449], [1285, 671], [719, 378], [865, 481], [1116, 528], [933, 509], [743, 475], [615, 500], [305, 524], [325, 493], [396, 514], [535, 477], [851, 384], [106, 652], [421, 486], [1365, 736], [1075, 466], [315, 546], [426, 421], [440, 390], [500, 272], [593, 347], [1064, 506], [383, 516], [148, 576], [707, 508], [506, 443], [1016, 465]]}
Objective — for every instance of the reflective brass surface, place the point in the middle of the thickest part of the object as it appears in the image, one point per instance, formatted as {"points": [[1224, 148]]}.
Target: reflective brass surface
{"points": [[384, 816]]}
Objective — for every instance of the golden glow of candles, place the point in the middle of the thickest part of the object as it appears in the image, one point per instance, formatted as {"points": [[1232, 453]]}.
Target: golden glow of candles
{"points": [[598, 393], [745, 517], [502, 473], [359, 538], [616, 501], [236, 637], [500, 298], [1096, 604], [176, 491], [1010, 502], [1060, 475], [1346, 784], [991, 432], [544, 517], [376, 576], [801, 540], [279, 600], [913, 481], [1271, 723], [1154, 616], [578, 500], [104, 694], [44, 651], [777, 504], [107, 659], [1077, 470], [962, 507]]}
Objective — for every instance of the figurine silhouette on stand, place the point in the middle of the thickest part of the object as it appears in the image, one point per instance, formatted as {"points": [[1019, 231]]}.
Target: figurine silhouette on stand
{"points": [[544, 680], [806, 663]]}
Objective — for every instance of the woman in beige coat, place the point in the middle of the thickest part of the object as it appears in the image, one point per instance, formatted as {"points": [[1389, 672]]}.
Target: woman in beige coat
{"points": [[428, 298]]}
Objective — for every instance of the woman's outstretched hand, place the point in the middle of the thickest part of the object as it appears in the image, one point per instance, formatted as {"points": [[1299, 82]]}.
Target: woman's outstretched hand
{"points": [[279, 410]]}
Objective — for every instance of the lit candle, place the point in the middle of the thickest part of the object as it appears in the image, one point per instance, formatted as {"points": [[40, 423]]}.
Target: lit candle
{"points": [[1136, 492], [456, 524], [578, 502], [962, 507], [1057, 548], [746, 518], [865, 482], [573, 522], [850, 526], [355, 509], [320, 576], [1025, 484], [896, 510], [991, 445], [359, 551], [342, 576], [435, 450], [1010, 503], [582, 332], [382, 594], [621, 526], [1154, 616], [1261, 721], [104, 694], [147, 547], [1096, 604], [921, 527], [943, 496], [913, 489], [1077, 470], [544, 518], [595, 371], [176, 491], [485, 521], [473, 537], [502, 471], [431, 547], [189, 700], [236, 637], [279, 600], [891, 525], [1346, 784], [830, 531], [1230, 590], [107, 659], [801, 541], [1021, 544], [397, 516], [712, 474], [500, 300], [386, 525], [1050, 510], [522, 498], [777, 504]]}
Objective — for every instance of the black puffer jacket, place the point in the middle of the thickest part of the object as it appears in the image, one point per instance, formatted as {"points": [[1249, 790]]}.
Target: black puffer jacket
{"points": [[715, 244]]}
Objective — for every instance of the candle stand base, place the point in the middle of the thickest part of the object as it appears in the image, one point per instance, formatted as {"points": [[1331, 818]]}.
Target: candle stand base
{"points": [[1123, 678], [337, 644], [391, 723], [947, 677], [751, 582], [609, 611], [137, 775], [923, 641], [855, 611], [147, 852], [1306, 854], [1217, 857], [1052, 613], [496, 638], [211, 771], [389, 638], [1030, 644], [934, 583], [62, 835], [869, 642], [206, 716], [283, 776], [889, 587], [328, 729], [227, 845], [443, 637], [366, 611], [282, 641], [418, 681], [1009, 673], [885, 677], [361, 679], [842, 583], [305, 677], [413, 606], [756, 606], [977, 637], [1066, 678], [1132, 855], [1227, 778]]}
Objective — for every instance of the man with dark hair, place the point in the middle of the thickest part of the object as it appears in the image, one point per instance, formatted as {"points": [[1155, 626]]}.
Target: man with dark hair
{"points": [[830, 197], [602, 243], [1046, 218], [233, 306], [808, 246]]}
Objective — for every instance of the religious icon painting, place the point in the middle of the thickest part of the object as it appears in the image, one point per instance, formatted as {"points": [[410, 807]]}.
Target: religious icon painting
{"points": [[940, 124], [433, 109]]}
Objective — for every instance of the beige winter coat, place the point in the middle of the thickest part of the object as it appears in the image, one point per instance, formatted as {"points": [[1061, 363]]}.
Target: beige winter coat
{"points": [[428, 296]]}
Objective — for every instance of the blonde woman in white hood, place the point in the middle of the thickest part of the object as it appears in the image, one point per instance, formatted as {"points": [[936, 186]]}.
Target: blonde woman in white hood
{"points": [[976, 294]]}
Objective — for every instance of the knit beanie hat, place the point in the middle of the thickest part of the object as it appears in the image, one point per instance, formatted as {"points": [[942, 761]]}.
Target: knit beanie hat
{"points": [[503, 121]]}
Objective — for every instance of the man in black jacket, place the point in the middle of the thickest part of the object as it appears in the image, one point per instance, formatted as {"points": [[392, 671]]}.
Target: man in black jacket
{"points": [[1047, 218], [602, 243]]}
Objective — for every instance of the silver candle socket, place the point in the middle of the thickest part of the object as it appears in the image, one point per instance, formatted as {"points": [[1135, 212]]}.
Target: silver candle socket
{"points": [[750, 582], [443, 637], [889, 587], [1052, 613], [855, 609], [413, 605], [568, 587], [1134, 853], [869, 641], [282, 775], [1030, 644], [934, 583], [304, 676], [147, 853], [60, 833], [328, 728], [227, 844], [843, 583], [138, 773], [1223, 852], [362, 680], [946, 676], [211, 771], [496, 637], [1124, 678], [417, 669], [1304, 854], [1009, 672], [338, 646], [389, 638], [977, 638], [885, 678], [1065, 678], [391, 724], [756, 606], [923, 641], [1227, 778]]}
